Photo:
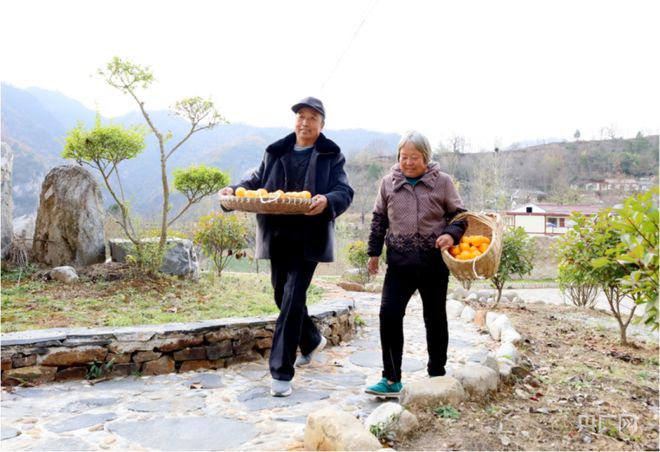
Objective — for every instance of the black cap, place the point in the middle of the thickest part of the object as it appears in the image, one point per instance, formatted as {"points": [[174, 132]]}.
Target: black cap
{"points": [[311, 102]]}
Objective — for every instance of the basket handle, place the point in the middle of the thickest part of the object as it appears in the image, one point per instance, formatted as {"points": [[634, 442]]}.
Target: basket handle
{"points": [[268, 200]]}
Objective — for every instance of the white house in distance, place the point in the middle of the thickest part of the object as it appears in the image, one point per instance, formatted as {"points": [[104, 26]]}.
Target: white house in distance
{"points": [[545, 219]]}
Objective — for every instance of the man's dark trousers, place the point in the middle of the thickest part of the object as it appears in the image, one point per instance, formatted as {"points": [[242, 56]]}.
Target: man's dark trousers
{"points": [[291, 275]]}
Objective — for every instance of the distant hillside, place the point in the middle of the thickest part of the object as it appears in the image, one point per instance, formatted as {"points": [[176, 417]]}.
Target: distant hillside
{"points": [[557, 172], [35, 122]]}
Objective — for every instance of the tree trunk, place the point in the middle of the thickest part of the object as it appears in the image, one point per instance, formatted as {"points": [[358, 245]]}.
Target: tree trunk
{"points": [[166, 199]]}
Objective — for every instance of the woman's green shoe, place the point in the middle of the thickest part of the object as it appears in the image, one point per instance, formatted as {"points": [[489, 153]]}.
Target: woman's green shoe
{"points": [[385, 389]]}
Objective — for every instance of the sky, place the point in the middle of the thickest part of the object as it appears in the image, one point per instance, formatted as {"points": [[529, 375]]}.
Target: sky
{"points": [[492, 72]]}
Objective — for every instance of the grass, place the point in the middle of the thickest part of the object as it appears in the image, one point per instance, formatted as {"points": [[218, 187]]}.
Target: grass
{"points": [[34, 304]]}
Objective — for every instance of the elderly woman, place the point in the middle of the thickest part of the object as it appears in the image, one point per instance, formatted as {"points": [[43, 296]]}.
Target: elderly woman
{"points": [[412, 215]]}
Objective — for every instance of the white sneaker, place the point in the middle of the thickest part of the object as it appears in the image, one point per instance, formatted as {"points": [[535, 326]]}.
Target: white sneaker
{"points": [[280, 388], [304, 360]]}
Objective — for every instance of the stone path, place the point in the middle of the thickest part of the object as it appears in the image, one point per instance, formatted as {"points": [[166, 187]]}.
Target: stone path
{"points": [[226, 409]]}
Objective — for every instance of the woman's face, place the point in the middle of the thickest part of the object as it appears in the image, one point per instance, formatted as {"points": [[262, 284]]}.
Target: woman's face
{"points": [[411, 161]]}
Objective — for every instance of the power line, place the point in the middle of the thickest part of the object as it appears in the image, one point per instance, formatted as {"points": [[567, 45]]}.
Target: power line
{"points": [[348, 47]]}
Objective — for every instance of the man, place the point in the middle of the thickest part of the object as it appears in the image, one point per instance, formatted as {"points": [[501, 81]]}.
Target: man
{"points": [[295, 244]]}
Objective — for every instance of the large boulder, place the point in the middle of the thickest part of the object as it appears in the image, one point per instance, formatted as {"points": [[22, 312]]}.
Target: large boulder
{"points": [[180, 256], [69, 226], [7, 161]]}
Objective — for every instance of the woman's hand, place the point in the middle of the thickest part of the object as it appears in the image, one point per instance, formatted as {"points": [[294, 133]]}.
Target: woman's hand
{"points": [[319, 203], [444, 241], [372, 265]]}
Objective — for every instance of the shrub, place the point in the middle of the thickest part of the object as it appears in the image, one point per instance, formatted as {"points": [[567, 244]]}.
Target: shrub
{"points": [[221, 237], [358, 258], [518, 251], [576, 276]]}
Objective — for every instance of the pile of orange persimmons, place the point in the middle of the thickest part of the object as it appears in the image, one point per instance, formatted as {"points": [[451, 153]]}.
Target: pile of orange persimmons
{"points": [[241, 192], [470, 247]]}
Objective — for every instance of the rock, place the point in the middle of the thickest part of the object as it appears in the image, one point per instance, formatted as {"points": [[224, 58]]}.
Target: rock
{"points": [[472, 297], [393, 418], [509, 295], [490, 318], [496, 326], [431, 392], [505, 366], [454, 308], [351, 286], [373, 287], [477, 380], [486, 293], [163, 365], [73, 357], [7, 209], [468, 314], [480, 318], [460, 293], [510, 335], [180, 255], [65, 274], [507, 350], [32, 374], [490, 360], [333, 429], [69, 227]]}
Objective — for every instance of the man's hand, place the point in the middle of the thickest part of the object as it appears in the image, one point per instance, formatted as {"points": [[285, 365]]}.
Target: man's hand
{"points": [[226, 191], [319, 203], [444, 241]]}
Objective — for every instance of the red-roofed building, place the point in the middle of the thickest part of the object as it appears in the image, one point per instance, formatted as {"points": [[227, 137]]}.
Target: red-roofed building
{"points": [[545, 219]]}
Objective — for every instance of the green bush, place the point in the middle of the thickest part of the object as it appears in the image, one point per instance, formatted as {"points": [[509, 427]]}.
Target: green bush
{"points": [[358, 258], [221, 237], [575, 254], [518, 251], [636, 222]]}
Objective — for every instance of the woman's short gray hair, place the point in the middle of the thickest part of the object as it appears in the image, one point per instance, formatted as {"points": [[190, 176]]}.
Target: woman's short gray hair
{"points": [[419, 141]]}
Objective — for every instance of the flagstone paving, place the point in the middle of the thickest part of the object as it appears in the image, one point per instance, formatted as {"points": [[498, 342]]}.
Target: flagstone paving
{"points": [[224, 409]]}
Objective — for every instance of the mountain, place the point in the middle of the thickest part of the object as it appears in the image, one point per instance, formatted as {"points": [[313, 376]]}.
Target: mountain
{"points": [[35, 122]]}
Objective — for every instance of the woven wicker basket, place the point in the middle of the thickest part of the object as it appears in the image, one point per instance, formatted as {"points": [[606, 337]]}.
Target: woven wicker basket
{"points": [[486, 265], [276, 206]]}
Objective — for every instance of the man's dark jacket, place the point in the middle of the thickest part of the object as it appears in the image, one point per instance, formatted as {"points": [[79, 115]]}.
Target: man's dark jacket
{"points": [[325, 176]]}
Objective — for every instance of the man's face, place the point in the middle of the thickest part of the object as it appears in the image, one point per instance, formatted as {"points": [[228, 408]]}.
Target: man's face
{"points": [[309, 123]]}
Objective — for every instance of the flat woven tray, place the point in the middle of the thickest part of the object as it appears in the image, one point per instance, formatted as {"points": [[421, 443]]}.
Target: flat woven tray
{"points": [[276, 206], [486, 265]]}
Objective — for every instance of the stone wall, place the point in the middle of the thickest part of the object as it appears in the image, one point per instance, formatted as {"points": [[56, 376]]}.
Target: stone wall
{"points": [[41, 356]]}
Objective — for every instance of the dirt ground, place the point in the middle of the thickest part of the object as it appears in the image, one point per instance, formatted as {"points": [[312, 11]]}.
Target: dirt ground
{"points": [[577, 389]]}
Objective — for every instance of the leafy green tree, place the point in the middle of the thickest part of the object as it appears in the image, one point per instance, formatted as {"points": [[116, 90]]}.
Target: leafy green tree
{"points": [[130, 78], [104, 148], [637, 224], [606, 242], [197, 182], [221, 237], [575, 255], [577, 135], [518, 251], [358, 257]]}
